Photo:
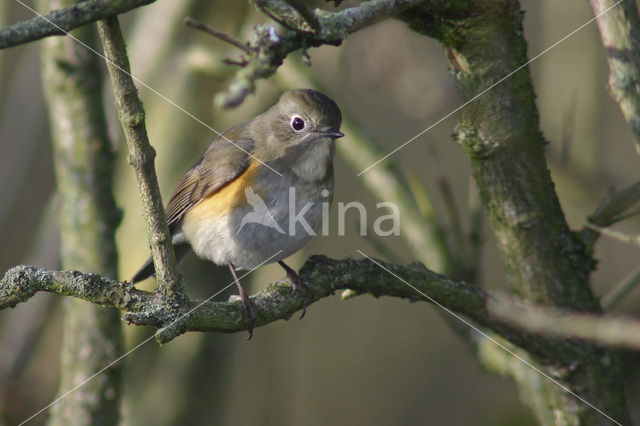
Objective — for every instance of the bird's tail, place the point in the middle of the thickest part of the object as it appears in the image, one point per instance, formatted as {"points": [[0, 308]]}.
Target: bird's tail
{"points": [[148, 269]]}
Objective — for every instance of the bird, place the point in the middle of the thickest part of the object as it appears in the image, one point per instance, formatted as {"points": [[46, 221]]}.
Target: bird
{"points": [[255, 195]]}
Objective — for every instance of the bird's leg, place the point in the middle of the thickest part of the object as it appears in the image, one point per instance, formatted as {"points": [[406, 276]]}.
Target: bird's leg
{"points": [[297, 285], [249, 309]]}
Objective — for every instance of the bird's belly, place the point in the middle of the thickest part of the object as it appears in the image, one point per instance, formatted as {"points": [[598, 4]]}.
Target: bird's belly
{"points": [[262, 230]]}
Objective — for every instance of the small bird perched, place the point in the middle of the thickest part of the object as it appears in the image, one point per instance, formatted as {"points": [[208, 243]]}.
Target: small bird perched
{"points": [[234, 205]]}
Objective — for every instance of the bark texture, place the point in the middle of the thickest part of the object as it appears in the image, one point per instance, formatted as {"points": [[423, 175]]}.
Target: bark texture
{"points": [[83, 161]]}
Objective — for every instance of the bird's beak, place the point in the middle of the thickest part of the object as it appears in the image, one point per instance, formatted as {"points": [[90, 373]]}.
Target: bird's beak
{"points": [[329, 133]]}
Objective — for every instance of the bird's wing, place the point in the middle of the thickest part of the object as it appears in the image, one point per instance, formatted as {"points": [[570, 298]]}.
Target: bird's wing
{"points": [[221, 163]]}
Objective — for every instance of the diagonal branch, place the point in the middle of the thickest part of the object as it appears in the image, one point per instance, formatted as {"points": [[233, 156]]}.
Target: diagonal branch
{"points": [[63, 20], [141, 157], [609, 211], [620, 33], [194, 23]]}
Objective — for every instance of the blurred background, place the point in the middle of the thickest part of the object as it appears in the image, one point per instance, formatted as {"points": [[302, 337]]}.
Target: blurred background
{"points": [[360, 361]]}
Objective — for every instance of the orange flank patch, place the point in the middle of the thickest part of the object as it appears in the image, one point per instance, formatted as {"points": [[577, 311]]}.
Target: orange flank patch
{"points": [[230, 195]]}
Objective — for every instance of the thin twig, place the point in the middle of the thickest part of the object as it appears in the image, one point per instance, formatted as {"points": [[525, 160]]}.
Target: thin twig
{"points": [[237, 63], [450, 205], [420, 196], [568, 130], [621, 289], [616, 235], [475, 233], [627, 215], [194, 23], [610, 211]]}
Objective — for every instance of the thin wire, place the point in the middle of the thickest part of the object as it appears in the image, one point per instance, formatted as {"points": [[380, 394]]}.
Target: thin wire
{"points": [[151, 88], [491, 87], [500, 345], [148, 339]]}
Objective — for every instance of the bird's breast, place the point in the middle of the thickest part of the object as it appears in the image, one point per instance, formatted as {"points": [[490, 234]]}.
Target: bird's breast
{"points": [[256, 216], [315, 163]]}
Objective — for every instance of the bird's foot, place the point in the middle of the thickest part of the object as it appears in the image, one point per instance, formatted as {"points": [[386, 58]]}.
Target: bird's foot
{"points": [[250, 310], [298, 285]]}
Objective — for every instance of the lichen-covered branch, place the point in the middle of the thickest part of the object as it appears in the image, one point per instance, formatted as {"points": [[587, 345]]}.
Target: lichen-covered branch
{"points": [[322, 275], [269, 47], [620, 33], [63, 20], [141, 157], [83, 159]]}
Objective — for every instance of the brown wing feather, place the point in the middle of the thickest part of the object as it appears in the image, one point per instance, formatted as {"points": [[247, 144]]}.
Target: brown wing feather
{"points": [[221, 163]]}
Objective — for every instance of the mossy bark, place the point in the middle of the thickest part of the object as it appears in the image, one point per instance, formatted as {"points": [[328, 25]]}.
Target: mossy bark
{"points": [[142, 159], [64, 19], [545, 261], [83, 161]]}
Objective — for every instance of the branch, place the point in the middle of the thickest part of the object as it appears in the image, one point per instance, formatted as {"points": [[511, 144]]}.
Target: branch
{"points": [[269, 47], [63, 20], [616, 235], [277, 301], [609, 211], [141, 157], [84, 163], [603, 330], [190, 22], [322, 275], [544, 261], [619, 28], [621, 289]]}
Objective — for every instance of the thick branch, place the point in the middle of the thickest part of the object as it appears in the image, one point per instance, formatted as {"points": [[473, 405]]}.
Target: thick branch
{"points": [[545, 262], [84, 165], [619, 28], [63, 20], [141, 157]]}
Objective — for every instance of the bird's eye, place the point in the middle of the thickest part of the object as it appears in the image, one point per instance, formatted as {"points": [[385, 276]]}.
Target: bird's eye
{"points": [[297, 123]]}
